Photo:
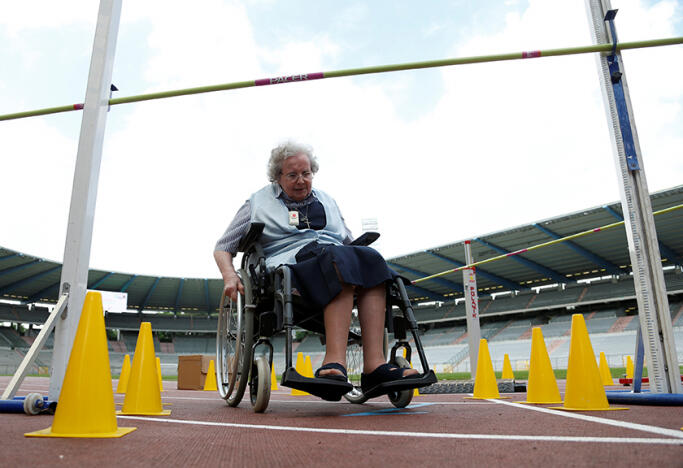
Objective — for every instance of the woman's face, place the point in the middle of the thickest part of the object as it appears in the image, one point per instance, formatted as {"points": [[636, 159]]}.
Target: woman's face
{"points": [[296, 177]]}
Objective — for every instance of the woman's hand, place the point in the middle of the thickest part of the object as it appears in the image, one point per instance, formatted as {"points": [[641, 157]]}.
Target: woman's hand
{"points": [[232, 285], [231, 282]]}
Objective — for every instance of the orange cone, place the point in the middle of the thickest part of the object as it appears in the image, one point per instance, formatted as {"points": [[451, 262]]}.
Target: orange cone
{"points": [[542, 386], [584, 391], [210, 382], [143, 396], [300, 366], [485, 384], [273, 378], [308, 367], [416, 392], [161, 383], [629, 367], [86, 402], [507, 369], [605, 374], [125, 375]]}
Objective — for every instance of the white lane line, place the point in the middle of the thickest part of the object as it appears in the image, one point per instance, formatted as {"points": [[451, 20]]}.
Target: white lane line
{"points": [[611, 422], [432, 435]]}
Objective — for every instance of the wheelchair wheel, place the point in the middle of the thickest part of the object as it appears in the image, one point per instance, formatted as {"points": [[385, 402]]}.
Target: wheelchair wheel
{"points": [[404, 397], [259, 387], [234, 341]]}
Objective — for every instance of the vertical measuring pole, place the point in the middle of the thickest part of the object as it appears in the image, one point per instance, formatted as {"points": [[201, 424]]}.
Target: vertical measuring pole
{"points": [[646, 262], [84, 192], [469, 281]]}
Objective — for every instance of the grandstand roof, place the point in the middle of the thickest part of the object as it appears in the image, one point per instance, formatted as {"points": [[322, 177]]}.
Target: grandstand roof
{"points": [[30, 279]]}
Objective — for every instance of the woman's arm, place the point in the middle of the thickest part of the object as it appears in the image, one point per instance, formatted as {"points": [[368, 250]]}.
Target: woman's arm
{"points": [[231, 282], [228, 243]]}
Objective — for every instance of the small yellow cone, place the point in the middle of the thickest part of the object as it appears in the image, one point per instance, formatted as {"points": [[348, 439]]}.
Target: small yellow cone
{"points": [[485, 384], [210, 382], [542, 386], [629, 367], [273, 379], [605, 373], [86, 402], [308, 367], [584, 391], [143, 396], [507, 369], [415, 391], [300, 369], [161, 383], [125, 375]]}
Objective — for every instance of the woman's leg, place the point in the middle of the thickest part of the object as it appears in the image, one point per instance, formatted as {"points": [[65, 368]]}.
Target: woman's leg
{"points": [[337, 316], [371, 313]]}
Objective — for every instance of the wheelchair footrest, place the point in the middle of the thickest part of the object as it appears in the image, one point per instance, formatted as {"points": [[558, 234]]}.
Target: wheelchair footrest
{"points": [[406, 383], [327, 389]]}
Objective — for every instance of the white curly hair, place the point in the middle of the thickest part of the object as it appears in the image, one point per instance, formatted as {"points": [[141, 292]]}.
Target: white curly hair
{"points": [[287, 150]]}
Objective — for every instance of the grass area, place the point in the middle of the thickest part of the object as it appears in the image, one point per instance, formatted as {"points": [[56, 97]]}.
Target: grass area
{"points": [[617, 372]]}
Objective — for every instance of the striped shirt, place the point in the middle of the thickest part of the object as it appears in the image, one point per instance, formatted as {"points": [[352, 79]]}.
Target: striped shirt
{"points": [[239, 226]]}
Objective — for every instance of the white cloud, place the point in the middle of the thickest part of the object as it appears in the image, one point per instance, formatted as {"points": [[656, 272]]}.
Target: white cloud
{"points": [[45, 14]]}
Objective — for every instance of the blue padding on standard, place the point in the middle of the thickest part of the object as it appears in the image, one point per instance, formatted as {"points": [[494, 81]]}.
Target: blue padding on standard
{"points": [[660, 399], [11, 406]]}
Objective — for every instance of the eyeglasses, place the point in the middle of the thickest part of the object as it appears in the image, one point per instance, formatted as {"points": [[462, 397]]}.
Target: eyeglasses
{"points": [[293, 176]]}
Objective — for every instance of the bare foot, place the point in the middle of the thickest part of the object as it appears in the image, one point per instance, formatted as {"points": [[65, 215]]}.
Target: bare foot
{"points": [[406, 373], [324, 372]]}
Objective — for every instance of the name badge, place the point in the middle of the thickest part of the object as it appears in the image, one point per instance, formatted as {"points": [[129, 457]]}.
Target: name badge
{"points": [[293, 218]]}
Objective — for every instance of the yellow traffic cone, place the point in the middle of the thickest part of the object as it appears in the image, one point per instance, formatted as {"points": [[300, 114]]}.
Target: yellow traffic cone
{"points": [[300, 368], [143, 396], [125, 375], [86, 402], [605, 373], [542, 386], [161, 383], [507, 369], [584, 391], [485, 384], [273, 378], [416, 392], [308, 367], [210, 382], [629, 367]]}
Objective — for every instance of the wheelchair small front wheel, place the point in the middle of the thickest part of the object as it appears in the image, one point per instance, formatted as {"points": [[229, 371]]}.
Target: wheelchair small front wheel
{"points": [[404, 397], [259, 387]]}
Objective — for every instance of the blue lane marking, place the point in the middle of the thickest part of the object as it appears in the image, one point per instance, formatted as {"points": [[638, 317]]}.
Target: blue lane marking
{"points": [[390, 411]]}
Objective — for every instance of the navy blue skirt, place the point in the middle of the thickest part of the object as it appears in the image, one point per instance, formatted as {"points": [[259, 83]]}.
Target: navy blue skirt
{"points": [[316, 279]]}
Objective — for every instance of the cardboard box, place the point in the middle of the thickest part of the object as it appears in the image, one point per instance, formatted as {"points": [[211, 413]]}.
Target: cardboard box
{"points": [[192, 370]]}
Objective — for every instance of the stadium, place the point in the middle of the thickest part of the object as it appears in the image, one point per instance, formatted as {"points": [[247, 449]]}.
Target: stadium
{"points": [[589, 276], [557, 341]]}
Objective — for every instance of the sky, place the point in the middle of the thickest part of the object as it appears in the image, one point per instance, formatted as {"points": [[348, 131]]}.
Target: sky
{"points": [[437, 155]]}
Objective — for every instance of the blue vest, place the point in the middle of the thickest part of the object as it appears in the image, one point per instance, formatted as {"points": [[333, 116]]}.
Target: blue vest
{"points": [[280, 240]]}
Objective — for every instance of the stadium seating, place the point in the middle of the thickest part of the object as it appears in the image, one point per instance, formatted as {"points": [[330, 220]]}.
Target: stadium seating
{"points": [[9, 337]]}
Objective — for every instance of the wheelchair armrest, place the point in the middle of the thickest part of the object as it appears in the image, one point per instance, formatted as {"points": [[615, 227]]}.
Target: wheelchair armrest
{"points": [[366, 238], [252, 235]]}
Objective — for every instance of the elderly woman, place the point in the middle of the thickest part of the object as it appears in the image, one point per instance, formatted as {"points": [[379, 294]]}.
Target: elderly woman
{"points": [[304, 228]]}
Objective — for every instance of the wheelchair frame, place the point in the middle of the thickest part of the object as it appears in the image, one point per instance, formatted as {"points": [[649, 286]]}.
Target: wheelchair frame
{"points": [[267, 307]]}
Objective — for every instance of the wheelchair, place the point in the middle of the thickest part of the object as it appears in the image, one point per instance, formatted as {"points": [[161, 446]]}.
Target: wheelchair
{"points": [[244, 353]]}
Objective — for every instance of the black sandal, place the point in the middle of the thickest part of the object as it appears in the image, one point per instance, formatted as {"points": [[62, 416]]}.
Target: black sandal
{"points": [[389, 378], [336, 366], [327, 387]]}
